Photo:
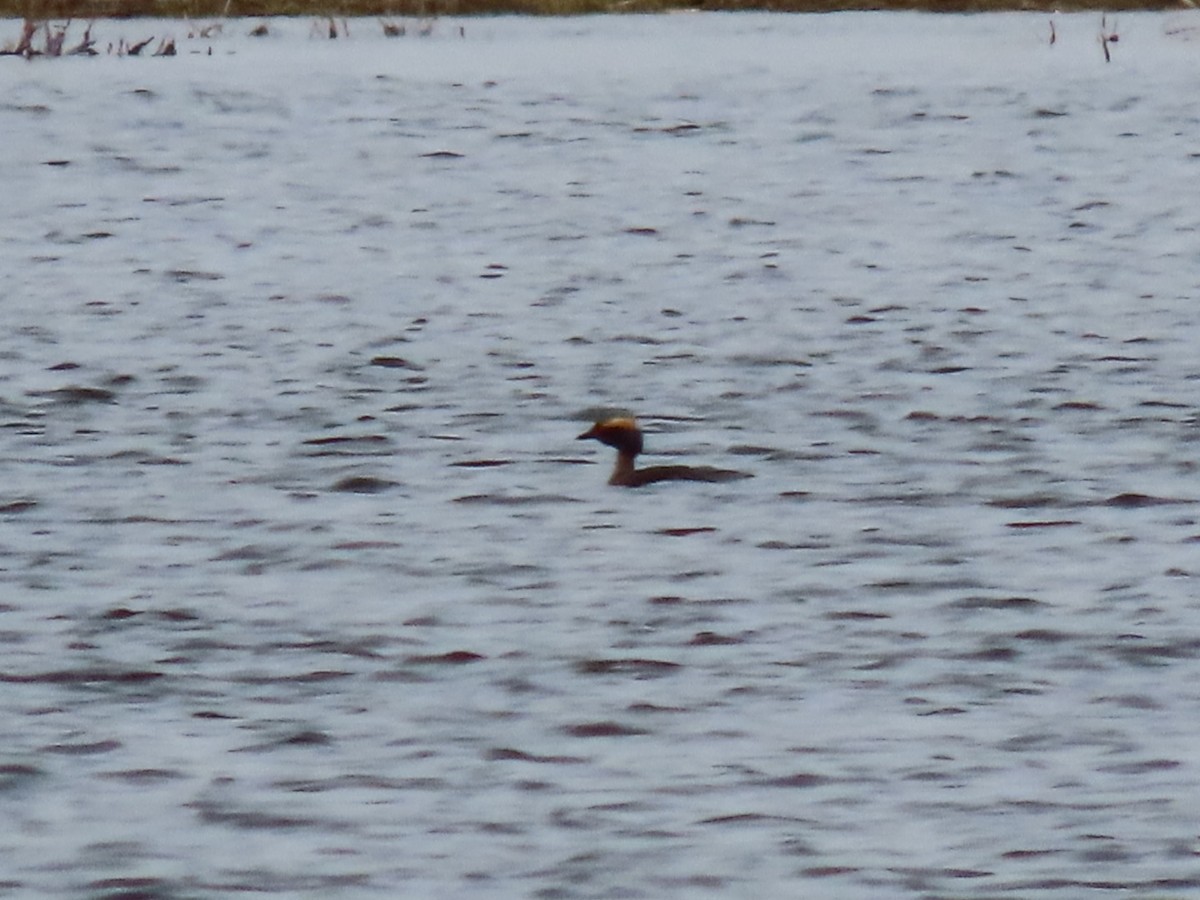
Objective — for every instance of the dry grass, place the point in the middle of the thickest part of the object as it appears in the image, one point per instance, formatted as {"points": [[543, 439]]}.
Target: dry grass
{"points": [[207, 9]]}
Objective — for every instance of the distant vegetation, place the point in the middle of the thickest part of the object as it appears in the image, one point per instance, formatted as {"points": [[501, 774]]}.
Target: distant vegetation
{"points": [[208, 9]]}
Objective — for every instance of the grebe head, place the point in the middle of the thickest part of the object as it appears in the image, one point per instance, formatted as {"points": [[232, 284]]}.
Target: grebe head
{"points": [[622, 434]]}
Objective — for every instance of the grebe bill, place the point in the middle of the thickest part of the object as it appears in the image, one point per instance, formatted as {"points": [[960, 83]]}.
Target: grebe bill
{"points": [[624, 436]]}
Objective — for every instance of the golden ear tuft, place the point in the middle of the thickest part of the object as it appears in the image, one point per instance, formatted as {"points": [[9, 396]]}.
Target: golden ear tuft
{"points": [[624, 422]]}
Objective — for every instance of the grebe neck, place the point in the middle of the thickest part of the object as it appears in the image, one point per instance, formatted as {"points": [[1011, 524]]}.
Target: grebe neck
{"points": [[623, 471]]}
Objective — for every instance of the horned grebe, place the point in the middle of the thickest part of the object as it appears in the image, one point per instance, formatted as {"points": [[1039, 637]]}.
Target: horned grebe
{"points": [[624, 436]]}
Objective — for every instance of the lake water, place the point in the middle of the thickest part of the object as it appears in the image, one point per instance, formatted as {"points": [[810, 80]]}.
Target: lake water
{"points": [[309, 590]]}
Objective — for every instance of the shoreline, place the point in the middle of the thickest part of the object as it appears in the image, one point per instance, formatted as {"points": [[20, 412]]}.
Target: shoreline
{"points": [[257, 9]]}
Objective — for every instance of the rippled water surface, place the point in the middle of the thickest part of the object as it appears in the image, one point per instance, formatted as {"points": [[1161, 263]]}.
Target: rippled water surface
{"points": [[310, 591]]}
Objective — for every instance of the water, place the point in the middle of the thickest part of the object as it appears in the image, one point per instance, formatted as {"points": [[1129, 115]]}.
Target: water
{"points": [[309, 590]]}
